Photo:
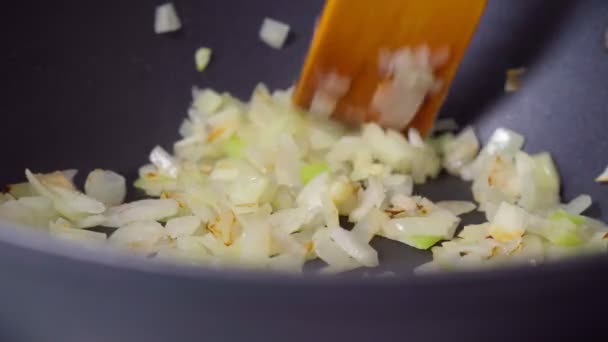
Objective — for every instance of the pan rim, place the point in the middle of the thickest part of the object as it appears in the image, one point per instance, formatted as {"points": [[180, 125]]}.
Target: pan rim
{"points": [[30, 240]]}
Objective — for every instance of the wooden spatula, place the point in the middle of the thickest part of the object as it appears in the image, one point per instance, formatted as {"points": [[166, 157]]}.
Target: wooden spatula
{"points": [[353, 35]]}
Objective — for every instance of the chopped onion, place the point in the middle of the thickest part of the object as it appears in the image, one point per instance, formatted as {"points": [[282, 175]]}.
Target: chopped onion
{"points": [[412, 79], [357, 249], [323, 104], [67, 201], [603, 177], [274, 33], [202, 56], [439, 223], [509, 223], [460, 151], [140, 234], [269, 184], [164, 162], [207, 101], [107, 187], [144, 210], [166, 19], [370, 198], [331, 253], [182, 226], [578, 205], [33, 211]]}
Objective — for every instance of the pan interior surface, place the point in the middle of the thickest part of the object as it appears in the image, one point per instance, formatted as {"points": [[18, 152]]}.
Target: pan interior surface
{"points": [[98, 88]]}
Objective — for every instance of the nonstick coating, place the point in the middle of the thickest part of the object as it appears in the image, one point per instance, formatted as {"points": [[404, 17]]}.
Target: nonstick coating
{"points": [[88, 84]]}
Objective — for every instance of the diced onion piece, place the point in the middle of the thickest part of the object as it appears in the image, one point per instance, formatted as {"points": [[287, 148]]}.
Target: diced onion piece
{"points": [[438, 223], [310, 196], [255, 239], [69, 174], [144, 210], [233, 147], [412, 79], [193, 246], [323, 104], [19, 190], [202, 56], [369, 226], [287, 166], [67, 201], [289, 220], [509, 223], [182, 226], [311, 170], [106, 186], [603, 177], [274, 33], [424, 241], [475, 232], [504, 140], [207, 101], [164, 161], [563, 232], [578, 205], [331, 253], [166, 19], [370, 198], [357, 249], [90, 221], [60, 223], [31, 211], [140, 234], [460, 151]]}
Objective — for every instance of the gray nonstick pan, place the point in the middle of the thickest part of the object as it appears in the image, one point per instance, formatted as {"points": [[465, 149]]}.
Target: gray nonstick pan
{"points": [[88, 84]]}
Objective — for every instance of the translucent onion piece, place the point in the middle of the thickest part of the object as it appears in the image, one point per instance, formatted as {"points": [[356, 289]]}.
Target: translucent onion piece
{"points": [[460, 151], [331, 253], [182, 226], [578, 205], [370, 198], [32, 211], [68, 202], [164, 161], [144, 210], [141, 234], [166, 19], [438, 223], [509, 223], [603, 177], [202, 56], [274, 33], [207, 101], [357, 249], [107, 187]]}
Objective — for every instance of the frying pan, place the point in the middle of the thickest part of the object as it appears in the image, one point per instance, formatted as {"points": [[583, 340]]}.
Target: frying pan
{"points": [[88, 84]]}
